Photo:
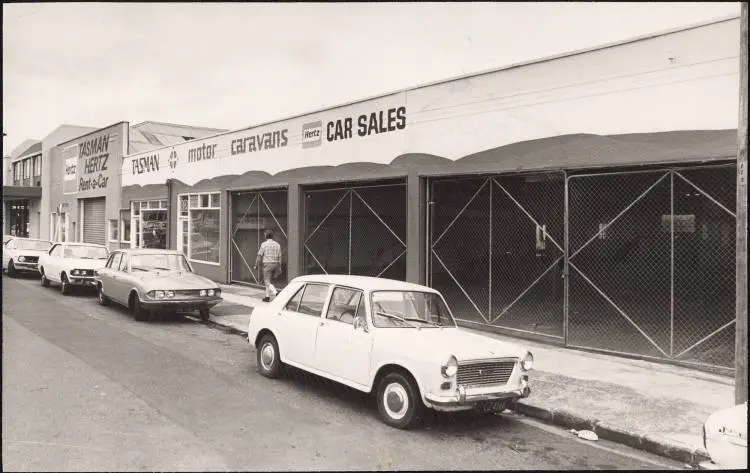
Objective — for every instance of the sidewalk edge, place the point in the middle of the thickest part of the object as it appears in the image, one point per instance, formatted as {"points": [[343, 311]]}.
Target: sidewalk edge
{"points": [[640, 440]]}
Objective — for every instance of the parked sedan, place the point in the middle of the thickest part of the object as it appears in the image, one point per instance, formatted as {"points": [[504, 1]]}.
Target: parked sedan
{"points": [[151, 280], [72, 264], [391, 338], [22, 255], [725, 439]]}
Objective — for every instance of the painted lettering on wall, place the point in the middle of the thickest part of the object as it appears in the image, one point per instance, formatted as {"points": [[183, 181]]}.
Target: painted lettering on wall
{"points": [[382, 121], [261, 142], [146, 164], [201, 152], [94, 154]]}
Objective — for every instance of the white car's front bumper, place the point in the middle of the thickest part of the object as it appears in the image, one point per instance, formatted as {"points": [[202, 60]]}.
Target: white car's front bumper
{"points": [[463, 398]]}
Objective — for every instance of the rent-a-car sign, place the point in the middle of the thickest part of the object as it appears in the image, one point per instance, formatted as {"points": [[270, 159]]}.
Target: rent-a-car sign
{"points": [[94, 159]]}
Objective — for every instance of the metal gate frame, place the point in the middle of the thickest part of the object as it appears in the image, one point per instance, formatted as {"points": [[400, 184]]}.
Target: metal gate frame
{"points": [[492, 180], [672, 173], [258, 197], [351, 192]]}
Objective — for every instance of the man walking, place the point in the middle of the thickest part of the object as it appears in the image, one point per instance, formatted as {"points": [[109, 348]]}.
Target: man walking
{"points": [[269, 255]]}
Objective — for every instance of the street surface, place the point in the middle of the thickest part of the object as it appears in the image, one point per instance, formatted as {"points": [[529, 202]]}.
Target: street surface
{"points": [[86, 387]]}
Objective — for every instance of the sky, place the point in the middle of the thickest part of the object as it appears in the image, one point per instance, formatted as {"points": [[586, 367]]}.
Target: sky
{"points": [[234, 65]]}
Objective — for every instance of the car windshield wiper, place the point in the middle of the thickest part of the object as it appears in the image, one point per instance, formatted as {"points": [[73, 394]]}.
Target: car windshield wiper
{"points": [[422, 320], [159, 268], [397, 317]]}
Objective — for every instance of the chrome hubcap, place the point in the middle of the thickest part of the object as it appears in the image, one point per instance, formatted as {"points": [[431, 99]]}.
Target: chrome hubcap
{"points": [[395, 401], [267, 356]]}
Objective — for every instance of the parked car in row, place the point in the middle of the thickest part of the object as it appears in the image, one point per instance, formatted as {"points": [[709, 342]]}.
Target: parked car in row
{"points": [[72, 264], [391, 338], [22, 255], [151, 280], [725, 439]]}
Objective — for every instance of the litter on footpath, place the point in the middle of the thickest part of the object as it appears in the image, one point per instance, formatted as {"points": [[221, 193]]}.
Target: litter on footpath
{"points": [[585, 434]]}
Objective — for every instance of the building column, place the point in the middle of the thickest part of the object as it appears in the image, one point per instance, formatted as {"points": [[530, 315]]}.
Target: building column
{"points": [[416, 235], [294, 231]]}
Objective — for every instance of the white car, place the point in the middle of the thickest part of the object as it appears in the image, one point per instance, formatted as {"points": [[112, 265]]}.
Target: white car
{"points": [[725, 439], [22, 254], [396, 339], [72, 264]]}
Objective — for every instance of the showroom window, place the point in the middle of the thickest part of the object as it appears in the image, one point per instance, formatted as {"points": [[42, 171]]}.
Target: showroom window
{"points": [[198, 227], [113, 230], [149, 223], [125, 226]]}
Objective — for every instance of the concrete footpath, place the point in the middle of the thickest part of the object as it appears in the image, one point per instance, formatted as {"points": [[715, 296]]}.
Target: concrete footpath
{"points": [[650, 406]]}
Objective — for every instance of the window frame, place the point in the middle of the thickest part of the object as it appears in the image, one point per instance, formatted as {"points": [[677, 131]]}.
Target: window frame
{"points": [[188, 218], [113, 226], [356, 309], [303, 290]]}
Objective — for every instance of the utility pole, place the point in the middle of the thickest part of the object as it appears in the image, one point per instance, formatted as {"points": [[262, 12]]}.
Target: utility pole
{"points": [[740, 345]]}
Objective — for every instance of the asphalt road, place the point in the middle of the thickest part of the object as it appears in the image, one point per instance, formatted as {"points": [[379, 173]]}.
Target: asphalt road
{"points": [[87, 388]]}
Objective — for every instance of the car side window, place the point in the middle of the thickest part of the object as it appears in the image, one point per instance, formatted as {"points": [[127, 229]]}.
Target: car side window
{"points": [[109, 261], [124, 262], [57, 252], [344, 303], [293, 303], [116, 261], [313, 300]]}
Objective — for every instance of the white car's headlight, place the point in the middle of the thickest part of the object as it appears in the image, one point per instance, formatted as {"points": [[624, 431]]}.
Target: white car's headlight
{"points": [[169, 294], [159, 294], [21, 258], [527, 362], [449, 368], [74, 272], [210, 292], [203, 293]]}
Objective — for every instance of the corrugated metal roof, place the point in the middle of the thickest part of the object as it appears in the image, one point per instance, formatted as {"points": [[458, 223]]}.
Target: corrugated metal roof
{"points": [[35, 148], [150, 135]]}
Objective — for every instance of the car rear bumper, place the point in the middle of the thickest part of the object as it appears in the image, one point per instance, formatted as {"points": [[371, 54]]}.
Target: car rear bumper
{"points": [[182, 305]]}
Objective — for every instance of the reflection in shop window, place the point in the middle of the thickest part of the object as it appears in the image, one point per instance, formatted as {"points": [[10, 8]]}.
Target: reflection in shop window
{"points": [[149, 221], [113, 230], [198, 227], [125, 222]]}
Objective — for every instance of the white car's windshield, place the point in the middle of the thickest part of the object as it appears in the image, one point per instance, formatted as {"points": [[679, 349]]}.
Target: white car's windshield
{"points": [[409, 309], [159, 261], [32, 245], [85, 252]]}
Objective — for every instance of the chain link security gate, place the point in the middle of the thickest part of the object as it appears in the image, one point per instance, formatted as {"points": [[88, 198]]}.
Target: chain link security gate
{"points": [[252, 214], [359, 230], [652, 259], [497, 250]]}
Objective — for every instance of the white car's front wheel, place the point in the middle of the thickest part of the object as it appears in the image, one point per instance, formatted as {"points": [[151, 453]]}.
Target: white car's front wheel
{"points": [[399, 402], [45, 281], [269, 361]]}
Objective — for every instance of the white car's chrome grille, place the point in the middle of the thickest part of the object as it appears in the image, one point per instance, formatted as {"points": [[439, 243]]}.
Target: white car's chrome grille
{"points": [[485, 373], [30, 259]]}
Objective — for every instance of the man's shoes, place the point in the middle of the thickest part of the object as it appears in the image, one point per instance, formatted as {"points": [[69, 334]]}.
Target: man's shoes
{"points": [[266, 299]]}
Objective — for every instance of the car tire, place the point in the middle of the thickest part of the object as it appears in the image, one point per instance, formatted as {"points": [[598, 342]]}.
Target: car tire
{"points": [[45, 281], [64, 285], [139, 313], [205, 314], [268, 357], [12, 269], [399, 402], [103, 300]]}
